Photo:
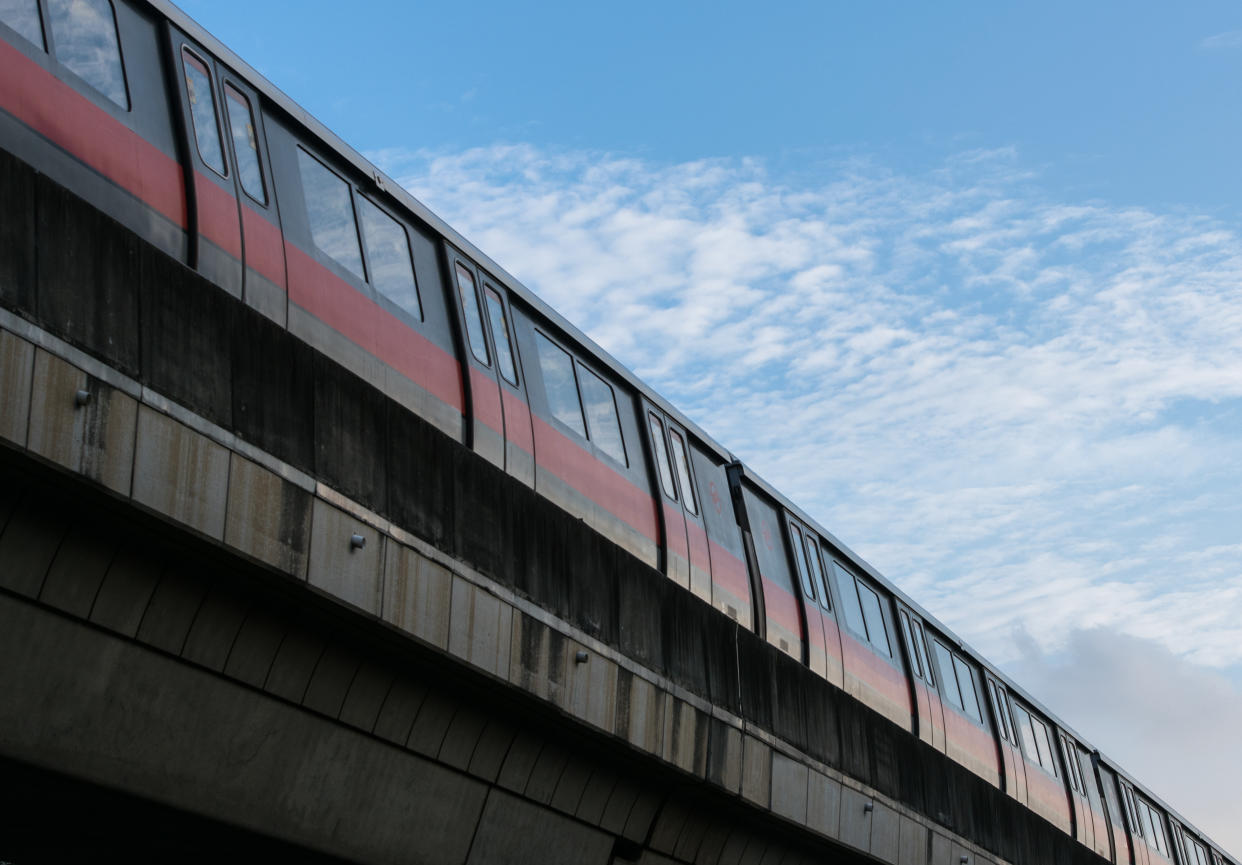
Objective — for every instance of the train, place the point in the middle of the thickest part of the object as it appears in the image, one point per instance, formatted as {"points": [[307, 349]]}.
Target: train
{"points": [[134, 108]]}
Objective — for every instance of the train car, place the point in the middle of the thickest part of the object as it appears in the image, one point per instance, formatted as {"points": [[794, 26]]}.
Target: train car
{"points": [[134, 108]]}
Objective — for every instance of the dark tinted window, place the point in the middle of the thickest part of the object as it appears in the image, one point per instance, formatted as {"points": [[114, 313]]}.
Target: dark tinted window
{"points": [[849, 600], [330, 214], [966, 686], [203, 111], [84, 33], [915, 660], [661, 455], [682, 462], [474, 318], [23, 16], [500, 333], [800, 561], [821, 587], [559, 385], [388, 257], [944, 658], [245, 144], [1002, 718], [603, 426], [877, 630], [920, 645]]}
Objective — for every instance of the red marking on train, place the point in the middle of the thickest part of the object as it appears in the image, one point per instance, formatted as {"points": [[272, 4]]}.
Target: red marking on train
{"points": [[364, 323], [600, 483], [517, 422], [729, 572], [711, 487], [265, 253], [70, 120], [486, 397], [217, 215]]}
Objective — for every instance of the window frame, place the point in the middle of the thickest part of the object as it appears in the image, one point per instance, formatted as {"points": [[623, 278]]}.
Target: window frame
{"points": [[490, 291], [302, 151], [50, 46], [664, 468], [681, 467], [230, 88], [579, 369], [42, 43]]}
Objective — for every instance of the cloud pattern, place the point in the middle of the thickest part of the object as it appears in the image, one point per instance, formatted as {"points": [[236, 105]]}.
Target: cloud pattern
{"points": [[1022, 410]]}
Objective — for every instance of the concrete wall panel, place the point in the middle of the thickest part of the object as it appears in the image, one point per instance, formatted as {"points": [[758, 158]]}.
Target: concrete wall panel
{"points": [[267, 517], [724, 756], [913, 845], [823, 813], [546, 773], [174, 604], [595, 797], [77, 572], [294, 664], [493, 746], [352, 574], [366, 696], [180, 474], [400, 708], [417, 594], [855, 819], [95, 438], [569, 788], [515, 832], [757, 772], [520, 761], [214, 630], [27, 547], [480, 630], [432, 724], [253, 651], [941, 850], [590, 691], [331, 680], [885, 833], [125, 593], [462, 737], [16, 373], [789, 788], [672, 818], [640, 712], [685, 736]]}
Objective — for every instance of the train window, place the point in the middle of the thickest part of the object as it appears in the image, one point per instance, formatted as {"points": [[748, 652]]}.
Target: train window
{"points": [[877, 631], [1002, 720], [1067, 751], [915, 661], [84, 35], [1044, 742], [23, 17], [388, 257], [821, 587], [800, 561], [945, 658], [500, 333], [1132, 811], [559, 385], [661, 455], [920, 646], [203, 112], [603, 425], [474, 323], [1155, 823], [682, 463], [245, 143], [966, 685], [330, 213], [849, 600]]}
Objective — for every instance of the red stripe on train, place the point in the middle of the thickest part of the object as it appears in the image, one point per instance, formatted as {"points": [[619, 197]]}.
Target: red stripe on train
{"points": [[363, 322], [54, 109]]}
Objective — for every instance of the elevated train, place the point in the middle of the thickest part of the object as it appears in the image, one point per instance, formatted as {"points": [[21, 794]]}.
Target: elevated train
{"points": [[134, 108]]}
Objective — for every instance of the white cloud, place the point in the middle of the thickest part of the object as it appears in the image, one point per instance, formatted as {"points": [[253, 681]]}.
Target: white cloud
{"points": [[1023, 410], [1171, 724], [1222, 41]]}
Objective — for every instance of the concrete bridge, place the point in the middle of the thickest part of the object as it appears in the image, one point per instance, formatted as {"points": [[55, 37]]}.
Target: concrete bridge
{"points": [[251, 609]]}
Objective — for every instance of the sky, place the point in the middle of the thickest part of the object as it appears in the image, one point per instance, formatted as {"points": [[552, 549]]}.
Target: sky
{"points": [[963, 279]]}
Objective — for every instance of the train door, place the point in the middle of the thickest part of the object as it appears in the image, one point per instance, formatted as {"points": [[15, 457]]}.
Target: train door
{"points": [[485, 422], [697, 548], [1011, 749], [264, 285], [213, 225], [814, 652], [929, 716], [674, 544], [515, 406], [1084, 827], [1106, 785]]}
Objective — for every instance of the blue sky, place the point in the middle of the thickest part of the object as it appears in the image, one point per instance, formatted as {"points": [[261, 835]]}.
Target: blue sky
{"points": [[965, 280]]}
